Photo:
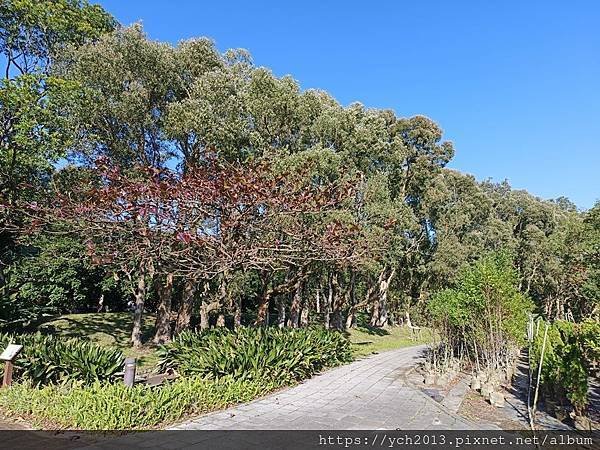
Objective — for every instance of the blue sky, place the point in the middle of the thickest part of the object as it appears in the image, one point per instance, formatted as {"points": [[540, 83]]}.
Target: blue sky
{"points": [[514, 84]]}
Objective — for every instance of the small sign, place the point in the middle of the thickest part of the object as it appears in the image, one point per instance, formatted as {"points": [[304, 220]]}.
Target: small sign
{"points": [[11, 351]]}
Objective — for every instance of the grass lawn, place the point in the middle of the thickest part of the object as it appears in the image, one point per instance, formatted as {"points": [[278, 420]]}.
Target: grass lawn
{"points": [[108, 329], [367, 340], [114, 330]]}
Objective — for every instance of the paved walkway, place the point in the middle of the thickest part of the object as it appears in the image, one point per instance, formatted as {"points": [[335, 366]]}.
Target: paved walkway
{"points": [[368, 394]]}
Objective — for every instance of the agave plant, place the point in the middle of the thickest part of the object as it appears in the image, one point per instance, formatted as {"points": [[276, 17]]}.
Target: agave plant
{"points": [[51, 359], [255, 353]]}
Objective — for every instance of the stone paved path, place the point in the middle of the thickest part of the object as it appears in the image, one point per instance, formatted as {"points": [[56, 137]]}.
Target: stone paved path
{"points": [[368, 394]]}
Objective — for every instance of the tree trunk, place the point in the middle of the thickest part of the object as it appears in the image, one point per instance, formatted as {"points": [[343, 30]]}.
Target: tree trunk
{"points": [[237, 313], [163, 314], [294, 318], [206, 309], [262, 316], [318, 300], [204, 316], [184, 315], [140, 296], [328, 301], [281, 313], [379, 316], [304, 316], [337, 321]]}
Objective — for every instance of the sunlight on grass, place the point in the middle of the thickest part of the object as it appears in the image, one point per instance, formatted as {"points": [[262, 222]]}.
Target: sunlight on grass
{"points": [[107, 329], [368, 340]]}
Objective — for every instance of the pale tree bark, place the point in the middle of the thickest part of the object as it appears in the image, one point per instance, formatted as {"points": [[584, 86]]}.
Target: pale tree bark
{"points": [[329, 301], [304, 316], [318, 300], [379, 317], [163, 314]]}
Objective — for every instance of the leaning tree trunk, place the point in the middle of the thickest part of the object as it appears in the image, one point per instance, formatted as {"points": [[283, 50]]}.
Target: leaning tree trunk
{"points": [[186, 307], [140, 296], [163, 314]]}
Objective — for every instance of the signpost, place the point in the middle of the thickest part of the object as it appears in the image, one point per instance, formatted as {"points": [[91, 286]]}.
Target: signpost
{"points": [[8, 356]]}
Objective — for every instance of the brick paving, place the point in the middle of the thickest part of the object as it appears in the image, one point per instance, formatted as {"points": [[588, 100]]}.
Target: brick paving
{"points": [[368, 394]]}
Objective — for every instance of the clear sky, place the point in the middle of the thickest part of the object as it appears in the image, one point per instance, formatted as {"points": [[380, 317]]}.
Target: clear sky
{"points": [[514, 84]]}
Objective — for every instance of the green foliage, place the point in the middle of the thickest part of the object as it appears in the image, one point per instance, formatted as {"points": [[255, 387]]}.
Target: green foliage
{"points": [[102, 406], [572, 349], [49, 359], [485, 309], [48, 278], [32, 31], [285, 355]]}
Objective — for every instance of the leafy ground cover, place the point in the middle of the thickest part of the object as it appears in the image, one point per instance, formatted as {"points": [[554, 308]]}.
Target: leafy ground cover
{"points": [[111, 329], [251, 363]]}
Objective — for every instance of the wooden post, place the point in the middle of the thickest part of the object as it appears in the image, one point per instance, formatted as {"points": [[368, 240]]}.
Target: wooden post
{"points": [[129, 375], [8, 371], [8, 356]]}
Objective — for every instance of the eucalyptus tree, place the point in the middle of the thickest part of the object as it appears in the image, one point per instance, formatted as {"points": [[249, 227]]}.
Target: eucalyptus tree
{"points": [[33, 131], [126, 82]]}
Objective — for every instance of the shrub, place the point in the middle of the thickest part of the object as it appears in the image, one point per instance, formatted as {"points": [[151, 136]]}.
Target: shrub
{"points": [[102, 406], [286, 355], [50, 359], [484, 313], [571, 351]]}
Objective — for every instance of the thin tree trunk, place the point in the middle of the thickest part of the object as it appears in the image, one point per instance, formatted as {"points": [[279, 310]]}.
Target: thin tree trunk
{"points": [[163, 314], [140, 296], [337, 322], [294, 318], [318, 300], [329, 301], [237, 313], [281, 312]]}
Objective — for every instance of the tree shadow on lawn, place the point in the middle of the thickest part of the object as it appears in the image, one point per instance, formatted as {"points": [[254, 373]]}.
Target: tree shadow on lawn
{"points": [[373, 331], [102, 328]]}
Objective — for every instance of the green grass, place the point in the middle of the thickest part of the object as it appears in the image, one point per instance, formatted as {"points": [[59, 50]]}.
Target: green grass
{"points": [[114, 329], [110, 330], [104, 406], [367, 340]]}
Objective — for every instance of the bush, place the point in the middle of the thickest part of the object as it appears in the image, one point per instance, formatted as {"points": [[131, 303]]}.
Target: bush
{"points": [[50, 359], [484, 313], [102, 406], [571, 351], [286, 355]]}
